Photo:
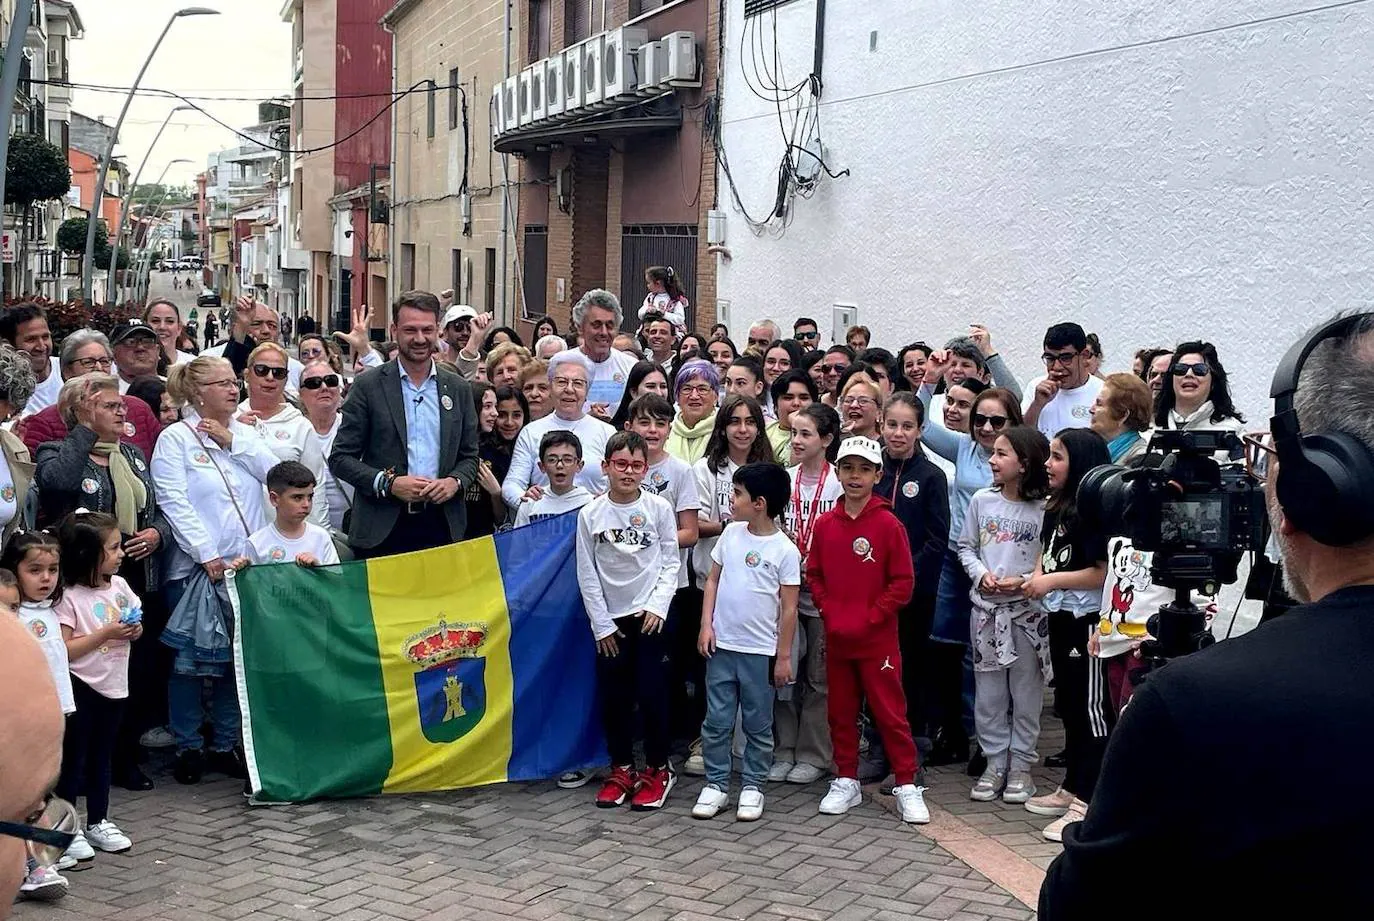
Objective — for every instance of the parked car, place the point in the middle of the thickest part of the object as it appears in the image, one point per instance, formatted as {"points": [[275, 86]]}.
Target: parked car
{"points": [[208, 298]]}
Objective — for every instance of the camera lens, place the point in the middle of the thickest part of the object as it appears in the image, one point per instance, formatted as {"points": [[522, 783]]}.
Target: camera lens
{"points": [[1103, 496]]}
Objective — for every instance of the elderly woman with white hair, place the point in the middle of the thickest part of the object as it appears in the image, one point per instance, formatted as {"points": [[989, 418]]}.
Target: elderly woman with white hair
{"points": [[569, 376], [18, 501]]}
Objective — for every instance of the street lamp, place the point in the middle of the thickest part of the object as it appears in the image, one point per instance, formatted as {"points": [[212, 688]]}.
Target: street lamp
{"points": [[114, 250], [88, 264], [129, 197]]}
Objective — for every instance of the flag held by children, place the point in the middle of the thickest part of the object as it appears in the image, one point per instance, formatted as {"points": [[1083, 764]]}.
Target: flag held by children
{"points": [[464, 665]]}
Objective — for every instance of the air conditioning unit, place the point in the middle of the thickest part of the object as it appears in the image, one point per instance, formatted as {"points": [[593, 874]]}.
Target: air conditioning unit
{"points": [[553, 85], [498, 110], [681, 51], [510, 104], [524, 104], [619, 61], [572, 79], [539, 105], [652, 63], [593, 56]]}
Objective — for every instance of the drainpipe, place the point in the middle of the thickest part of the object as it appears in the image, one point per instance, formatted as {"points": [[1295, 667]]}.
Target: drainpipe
{"points": [[505, 181], [392, 267]]}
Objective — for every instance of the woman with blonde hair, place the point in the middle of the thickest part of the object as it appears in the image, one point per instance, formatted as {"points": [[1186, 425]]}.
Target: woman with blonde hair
{"points": [[505, 362], [208, 473], [287, 431]]}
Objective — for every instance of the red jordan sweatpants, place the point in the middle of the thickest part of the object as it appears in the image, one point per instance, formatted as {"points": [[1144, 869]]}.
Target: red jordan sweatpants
{"points": [[878, 679]]}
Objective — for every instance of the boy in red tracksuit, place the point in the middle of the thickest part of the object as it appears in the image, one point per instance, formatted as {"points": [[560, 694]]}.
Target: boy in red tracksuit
{"points": [[860, 573]]}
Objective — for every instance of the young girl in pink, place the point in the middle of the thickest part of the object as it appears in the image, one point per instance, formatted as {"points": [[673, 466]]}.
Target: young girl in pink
{"points": [[100, 616]]}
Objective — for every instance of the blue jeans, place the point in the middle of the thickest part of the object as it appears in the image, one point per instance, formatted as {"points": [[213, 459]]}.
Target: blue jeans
{"points": [[953, 617], [738, 681], [186, 709]]}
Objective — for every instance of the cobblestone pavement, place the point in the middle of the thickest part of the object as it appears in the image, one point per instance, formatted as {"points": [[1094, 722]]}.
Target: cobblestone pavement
{"points": [[532, 851]]}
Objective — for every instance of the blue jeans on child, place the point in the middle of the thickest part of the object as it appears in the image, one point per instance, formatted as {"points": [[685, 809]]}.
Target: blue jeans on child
{"points": [[738, 681], [186, 703]]}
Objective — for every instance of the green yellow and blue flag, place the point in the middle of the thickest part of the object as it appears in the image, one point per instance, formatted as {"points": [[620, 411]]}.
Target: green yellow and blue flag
{"points": [[464, 665]]}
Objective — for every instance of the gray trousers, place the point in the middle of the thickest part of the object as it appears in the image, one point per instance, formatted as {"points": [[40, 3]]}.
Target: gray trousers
{"points": [[801, 726], [1006, 711]]}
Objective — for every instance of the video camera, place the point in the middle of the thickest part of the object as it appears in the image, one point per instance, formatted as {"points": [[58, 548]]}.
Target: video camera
{"points": [[1195, 515]]}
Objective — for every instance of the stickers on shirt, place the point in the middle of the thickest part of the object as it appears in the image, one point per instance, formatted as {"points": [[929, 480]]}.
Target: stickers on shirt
{"points": [[910, 489], [90, 486], [618, 377], [656, 482], [1082, 411], [142, 467], [130, 430], [863, 549], [7, 492], [276, 554], [752, 559], [637, 520], [282, 435], [200, 457], [38, 629], [446, 401]]}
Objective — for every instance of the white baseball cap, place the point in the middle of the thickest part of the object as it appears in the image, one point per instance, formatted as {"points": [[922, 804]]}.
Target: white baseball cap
{"points": [[858, 446], [457, 312]]}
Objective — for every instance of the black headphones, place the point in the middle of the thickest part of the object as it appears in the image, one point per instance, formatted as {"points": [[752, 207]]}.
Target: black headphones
{"points": [[1326, 481]]}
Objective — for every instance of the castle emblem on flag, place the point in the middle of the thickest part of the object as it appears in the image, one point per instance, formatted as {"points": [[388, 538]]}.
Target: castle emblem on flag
{"points": [[450, 683]]}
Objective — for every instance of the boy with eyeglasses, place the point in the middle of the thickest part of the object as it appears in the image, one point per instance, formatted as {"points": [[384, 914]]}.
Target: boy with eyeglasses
{"points": [[627, 569], [560, 458], [1064, 399]]}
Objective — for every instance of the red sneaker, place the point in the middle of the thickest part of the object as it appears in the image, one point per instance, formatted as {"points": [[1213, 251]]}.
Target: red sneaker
{"points": [[654, 785], [619, 787]]}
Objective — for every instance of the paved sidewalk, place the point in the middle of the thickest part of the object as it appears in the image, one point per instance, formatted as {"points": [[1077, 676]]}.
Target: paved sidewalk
{"points": [[529, 851]]}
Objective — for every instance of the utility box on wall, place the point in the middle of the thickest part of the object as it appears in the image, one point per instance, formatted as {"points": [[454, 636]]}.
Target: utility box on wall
{"points": [[844, 316]]}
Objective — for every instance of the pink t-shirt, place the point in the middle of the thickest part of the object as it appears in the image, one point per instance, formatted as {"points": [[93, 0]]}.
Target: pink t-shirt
{"points": [[85, 610]]}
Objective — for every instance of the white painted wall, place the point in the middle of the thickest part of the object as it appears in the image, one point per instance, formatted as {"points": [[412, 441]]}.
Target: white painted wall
{"points": [[1213, 183]]}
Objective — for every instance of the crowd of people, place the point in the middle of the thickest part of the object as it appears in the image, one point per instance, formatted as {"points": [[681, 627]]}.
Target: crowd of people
{"points": [[807, 560]]}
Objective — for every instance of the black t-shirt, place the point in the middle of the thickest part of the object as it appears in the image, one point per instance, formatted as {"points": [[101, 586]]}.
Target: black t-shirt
{"points": [[1068, 545], [1233, 785]]}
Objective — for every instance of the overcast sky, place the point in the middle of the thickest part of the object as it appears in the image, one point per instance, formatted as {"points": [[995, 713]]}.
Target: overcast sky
{"points": [[244, 51]]}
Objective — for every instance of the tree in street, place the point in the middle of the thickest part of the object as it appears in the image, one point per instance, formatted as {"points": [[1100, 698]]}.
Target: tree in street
{"points": [[36, 171]]}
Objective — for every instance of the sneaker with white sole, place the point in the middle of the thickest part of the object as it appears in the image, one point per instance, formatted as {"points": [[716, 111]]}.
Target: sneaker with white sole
{"points": [[911, 803], [43, 884], [1019, 789], [157, 737], [750, 807], [695, 765], [710, 801], [805, 773], [571, 780], [1077, 812], [845, 793], [107, 836], [68, 862], [1050, 804], [779, 771], [988, 786], [80, 849]]}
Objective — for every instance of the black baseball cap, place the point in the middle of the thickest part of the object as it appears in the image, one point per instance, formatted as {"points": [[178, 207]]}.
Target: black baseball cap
{"points": [[129, 328]]}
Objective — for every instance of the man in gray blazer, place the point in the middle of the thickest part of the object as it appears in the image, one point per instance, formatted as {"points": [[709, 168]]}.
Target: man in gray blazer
{"points": [[407, 442]]}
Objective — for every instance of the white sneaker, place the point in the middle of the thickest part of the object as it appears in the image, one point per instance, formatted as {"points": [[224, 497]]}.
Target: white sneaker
{"points": [[1077, 812], [44, 884], [571, 780], [157, 737], [710, 801], [750, 808], [988, 786], [911, 803], [107, 836], [1020, 787], [805, 773], [695, 765], [80, 849], [68, 862], [844, 795], [779, 771]]}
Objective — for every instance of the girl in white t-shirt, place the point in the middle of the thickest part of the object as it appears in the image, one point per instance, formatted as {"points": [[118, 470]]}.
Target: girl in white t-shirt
{"points": [[32, 558], [100, 618], [801, 732]]}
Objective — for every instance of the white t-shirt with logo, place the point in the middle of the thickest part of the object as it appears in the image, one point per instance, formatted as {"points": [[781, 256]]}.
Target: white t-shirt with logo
{"points": [[272, 546], [672, 479], [799, 504], [38, 618], [1068, 409], [753, 570], [715, 490], [627, 559], [607, 378]]}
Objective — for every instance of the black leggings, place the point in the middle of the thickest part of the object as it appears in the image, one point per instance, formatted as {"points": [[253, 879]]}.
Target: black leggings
{"points": [[637, 675], [1083, 747], [913, 637], [88, 750]]}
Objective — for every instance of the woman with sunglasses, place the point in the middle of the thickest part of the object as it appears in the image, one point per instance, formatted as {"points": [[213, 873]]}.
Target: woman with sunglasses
{"points": [[321, 397], [287, 432], [1198, 395]]}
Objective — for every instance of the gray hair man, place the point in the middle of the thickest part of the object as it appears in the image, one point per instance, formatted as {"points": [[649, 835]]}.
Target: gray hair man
{"points": [[761, 334], [597, 317], [1302, 680]]}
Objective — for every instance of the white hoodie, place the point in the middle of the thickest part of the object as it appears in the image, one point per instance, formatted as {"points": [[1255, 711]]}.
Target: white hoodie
{"points": [[290, 436]]}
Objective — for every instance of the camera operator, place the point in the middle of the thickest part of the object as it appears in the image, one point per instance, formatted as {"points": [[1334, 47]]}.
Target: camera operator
{"points": [[1230, 788]]}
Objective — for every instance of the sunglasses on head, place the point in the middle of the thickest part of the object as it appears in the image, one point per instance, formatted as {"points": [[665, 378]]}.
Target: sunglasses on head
{"points": [[1199, 369], [315, 383], [278, 374], [997, 422]]}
